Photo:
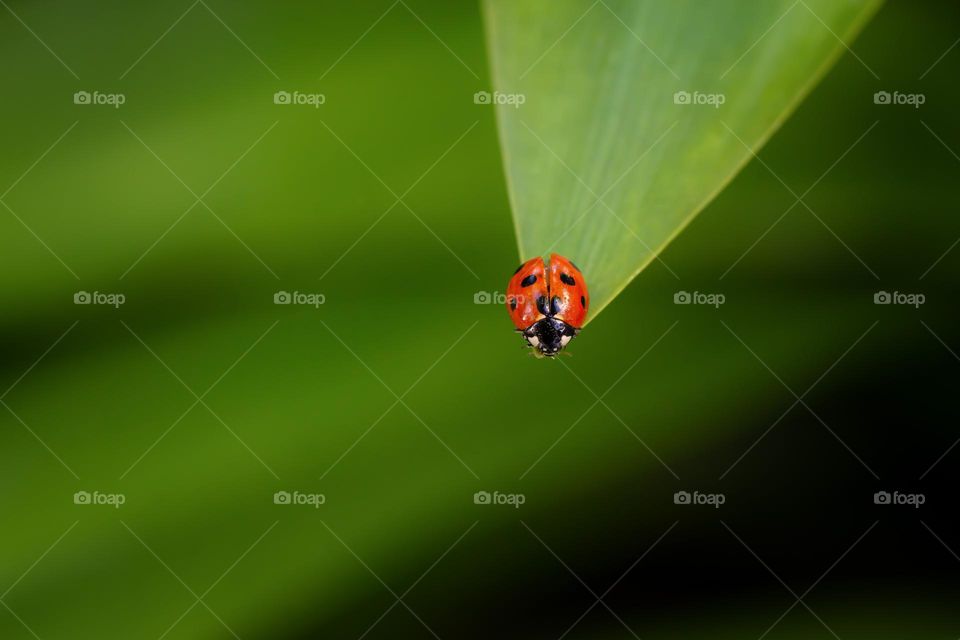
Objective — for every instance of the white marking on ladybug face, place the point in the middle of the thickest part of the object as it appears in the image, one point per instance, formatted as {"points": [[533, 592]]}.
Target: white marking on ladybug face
{"points": [[534, 341], [565, 340]]}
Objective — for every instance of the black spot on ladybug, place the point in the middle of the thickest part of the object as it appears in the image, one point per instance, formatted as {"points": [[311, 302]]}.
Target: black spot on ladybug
{"points": [[513, 304], [583, 302], [567, 279], [542, 305], [556, 305], [518, 270], [529, 280], [574, 266]]}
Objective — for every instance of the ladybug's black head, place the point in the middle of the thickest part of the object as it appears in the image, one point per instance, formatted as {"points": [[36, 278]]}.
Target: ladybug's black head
{"points": [[549, 335]]}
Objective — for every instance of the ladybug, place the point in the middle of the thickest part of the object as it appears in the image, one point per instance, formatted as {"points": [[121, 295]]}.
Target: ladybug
{"points": [[548, 303]]}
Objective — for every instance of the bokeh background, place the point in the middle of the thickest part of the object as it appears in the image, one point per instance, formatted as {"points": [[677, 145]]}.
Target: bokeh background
{"points": [[397, 399]]}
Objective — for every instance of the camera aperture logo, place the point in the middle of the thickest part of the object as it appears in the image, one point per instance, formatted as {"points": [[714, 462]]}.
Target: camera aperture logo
{"points": [[909, 299], [95, 98], [99, 298], [297, 98], [512, 499], [710, 299], [298, 297], [697, 98], [511, 99], [912, 99], [711, 499], [298, 499], [96, 498], [909, 499]]}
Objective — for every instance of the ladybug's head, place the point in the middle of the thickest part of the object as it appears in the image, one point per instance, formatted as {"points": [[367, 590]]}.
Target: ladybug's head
{"points": [[549, 335]]}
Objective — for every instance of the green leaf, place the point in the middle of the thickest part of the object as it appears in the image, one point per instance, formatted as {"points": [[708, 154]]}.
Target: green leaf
{"points": [[606, 162]]}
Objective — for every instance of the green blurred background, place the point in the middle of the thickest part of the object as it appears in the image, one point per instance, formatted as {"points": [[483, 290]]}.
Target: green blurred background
{"points": [[400, 397]]}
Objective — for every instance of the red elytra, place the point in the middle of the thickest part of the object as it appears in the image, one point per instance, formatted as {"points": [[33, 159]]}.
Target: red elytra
{"points": [[548, 302]]}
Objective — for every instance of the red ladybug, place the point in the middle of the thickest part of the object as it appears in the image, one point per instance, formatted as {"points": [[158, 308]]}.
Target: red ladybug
{"points": [[548, 303]]}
